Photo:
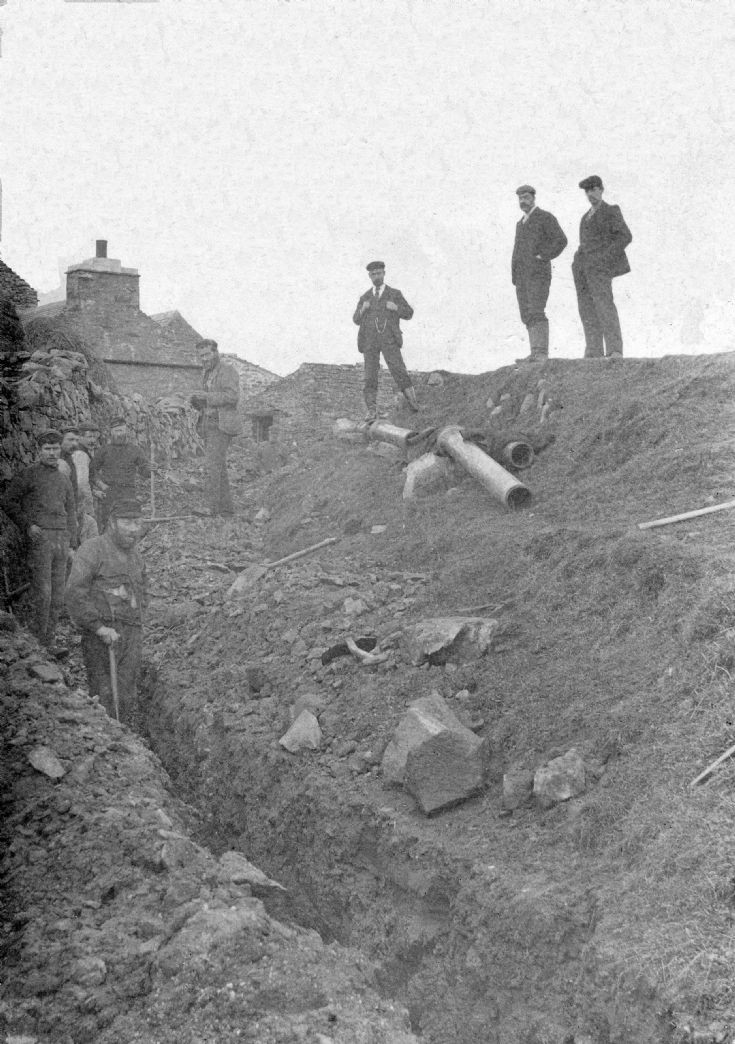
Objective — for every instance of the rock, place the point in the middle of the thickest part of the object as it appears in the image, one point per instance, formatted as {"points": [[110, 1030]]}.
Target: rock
{"points": [[256, 678], [345, 429], [442, 638], [209, 931], [178, 851], [310, 701], [234, 868], [517, 788], [304, 734], [352, 526], [435, 380], [354, 606], [375, 530], [290, 636], [434, 756], [89, 971], [44, 760], [345, 748], [561, 779], [47, 672], [427, 474], [245, 580], [262, 515]]}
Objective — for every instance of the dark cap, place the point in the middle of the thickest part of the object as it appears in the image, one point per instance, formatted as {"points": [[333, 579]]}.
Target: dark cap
{"points": [[593, 181], [126, 509], [87, 427], [526, 189], [375, 265], [71, 429], [117, 422], [50, 437]]}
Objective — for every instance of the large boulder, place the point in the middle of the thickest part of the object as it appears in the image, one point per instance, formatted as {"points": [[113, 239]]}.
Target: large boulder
{"points": [[427, 474], [437, 759], [441, 639], [561, 779]]}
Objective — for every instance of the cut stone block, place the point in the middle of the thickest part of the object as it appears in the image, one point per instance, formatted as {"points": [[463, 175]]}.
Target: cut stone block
{"points": [[440, 639], [434, 756]]}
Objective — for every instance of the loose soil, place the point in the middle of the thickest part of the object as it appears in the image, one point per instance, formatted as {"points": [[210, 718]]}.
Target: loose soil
{"points": [[606, 919]]}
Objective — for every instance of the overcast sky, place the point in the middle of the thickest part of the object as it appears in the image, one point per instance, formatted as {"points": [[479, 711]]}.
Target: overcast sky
{"points": [[249, 157]]}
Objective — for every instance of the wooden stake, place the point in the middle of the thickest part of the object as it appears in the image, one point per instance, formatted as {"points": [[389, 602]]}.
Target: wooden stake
{"points": [[710, 768], [687, 514]]}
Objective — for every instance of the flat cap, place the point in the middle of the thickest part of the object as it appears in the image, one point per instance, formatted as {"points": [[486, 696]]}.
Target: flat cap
{"points": [[593, 181], [526, 189], [49, 437], [87, 427], [375, 265], [126, 509]]}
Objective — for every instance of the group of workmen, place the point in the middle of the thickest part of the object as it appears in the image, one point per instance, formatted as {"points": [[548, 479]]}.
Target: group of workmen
{"points": [[77, 511], [539, 239]]}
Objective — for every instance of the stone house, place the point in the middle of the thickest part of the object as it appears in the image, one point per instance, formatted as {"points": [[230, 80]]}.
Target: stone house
{"points": [[309, 400], [152, 355]]}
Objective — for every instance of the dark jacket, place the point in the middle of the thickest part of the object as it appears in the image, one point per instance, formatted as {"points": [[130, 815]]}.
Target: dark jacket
{"points": [[603, 238], [42, 496], [117, 464], [106, 585], [379, 323], [541, 234], [222, 393]]}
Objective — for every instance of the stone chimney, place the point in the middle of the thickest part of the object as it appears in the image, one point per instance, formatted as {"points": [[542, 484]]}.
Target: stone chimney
{"points": [[102, 286]]}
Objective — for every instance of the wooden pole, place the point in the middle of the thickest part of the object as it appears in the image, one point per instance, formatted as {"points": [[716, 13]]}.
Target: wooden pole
{"points": [[153, 480], [687, 514], [710, 768], [304, 551]]}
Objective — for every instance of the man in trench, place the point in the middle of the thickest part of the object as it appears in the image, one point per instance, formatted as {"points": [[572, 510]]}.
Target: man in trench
{"points": [[114, 470], [106, 595], [220, 422], [40, 500]]}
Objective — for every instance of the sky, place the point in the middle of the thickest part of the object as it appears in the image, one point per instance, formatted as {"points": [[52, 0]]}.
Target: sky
{"points": [[250, 157]]}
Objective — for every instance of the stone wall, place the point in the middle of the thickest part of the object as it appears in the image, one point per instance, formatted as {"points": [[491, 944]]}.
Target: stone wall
{"points": [[15, 289]]}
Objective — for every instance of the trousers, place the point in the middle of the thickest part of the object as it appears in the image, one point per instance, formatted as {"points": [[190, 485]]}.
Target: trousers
{"points": [[532, 293], [47, 559], [600, 321], [128, 655], [217, 484], [393, 360]]}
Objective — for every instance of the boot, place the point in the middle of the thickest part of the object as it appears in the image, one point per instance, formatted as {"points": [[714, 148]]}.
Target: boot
{"points": [[409, 395], [538, 336]]}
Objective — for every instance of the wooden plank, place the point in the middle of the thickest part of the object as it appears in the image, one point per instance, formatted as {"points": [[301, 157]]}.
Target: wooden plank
{"points": [[710, 768], [687, 514]]}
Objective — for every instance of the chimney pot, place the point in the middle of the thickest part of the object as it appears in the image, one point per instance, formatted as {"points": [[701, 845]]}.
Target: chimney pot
{"points": [[101, 248]]}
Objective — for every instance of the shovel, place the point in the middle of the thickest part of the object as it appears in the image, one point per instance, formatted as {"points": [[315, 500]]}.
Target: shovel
{"points": [[253, 573], [113, 681]]}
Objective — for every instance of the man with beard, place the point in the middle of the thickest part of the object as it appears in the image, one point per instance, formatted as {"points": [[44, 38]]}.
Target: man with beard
{"points": [[539, 239], [106, 596], [220, 422]]}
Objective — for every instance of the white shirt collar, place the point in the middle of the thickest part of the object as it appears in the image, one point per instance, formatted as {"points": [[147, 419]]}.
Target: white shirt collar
{"points": [[527, 215], [378, 290]]}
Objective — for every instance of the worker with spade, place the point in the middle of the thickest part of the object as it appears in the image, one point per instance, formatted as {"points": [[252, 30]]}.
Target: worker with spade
{"points": [[106, 596]]}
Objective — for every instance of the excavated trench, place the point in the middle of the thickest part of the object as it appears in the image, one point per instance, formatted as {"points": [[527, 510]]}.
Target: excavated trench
{"points": [[478, 951]]}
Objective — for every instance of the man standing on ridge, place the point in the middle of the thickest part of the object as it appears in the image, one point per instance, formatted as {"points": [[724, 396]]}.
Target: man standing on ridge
{"points": [[106, 596], [378, 314], [40, 501], [603, 237], [220, 423], [539, 239]]}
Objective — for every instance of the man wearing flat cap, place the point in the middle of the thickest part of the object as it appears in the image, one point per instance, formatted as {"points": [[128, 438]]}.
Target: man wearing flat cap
{"points": [[40, 500], [539, 239], [378, 314], [106, 596], [603, 237]]}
